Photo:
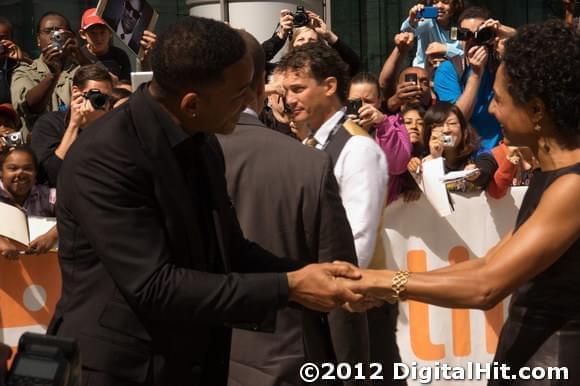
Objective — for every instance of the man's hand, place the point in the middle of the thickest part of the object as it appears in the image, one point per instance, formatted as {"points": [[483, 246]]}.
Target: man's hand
{"points": [[286, 24], [477, 57], [12, 50], [316, 286], [407, 92], [404, 41], [52, 56]]}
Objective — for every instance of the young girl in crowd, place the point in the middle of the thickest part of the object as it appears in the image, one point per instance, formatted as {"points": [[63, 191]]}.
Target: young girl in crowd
{"points": [[436, 30], [388, 131], [18, 187], [413, 119], [447, 134]]}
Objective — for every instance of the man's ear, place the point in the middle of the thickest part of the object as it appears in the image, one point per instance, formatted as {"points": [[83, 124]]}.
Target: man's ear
{"points": [[330, 86], [83, 34], [189, 104]]}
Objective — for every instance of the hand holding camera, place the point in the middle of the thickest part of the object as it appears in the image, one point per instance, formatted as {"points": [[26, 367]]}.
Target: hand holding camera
{"points": [[286, 24], [320, 27], [86, 107], [436, 144], [369, 116], [10, 50], [477, 57]]}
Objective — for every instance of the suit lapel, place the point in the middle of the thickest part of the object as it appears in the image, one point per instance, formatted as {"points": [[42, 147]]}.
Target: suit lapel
{"points": [[170, 186]]}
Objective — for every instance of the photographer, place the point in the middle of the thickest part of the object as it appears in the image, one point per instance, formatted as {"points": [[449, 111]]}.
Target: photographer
{"points": [[10, 57], [8, 125], [306, 27], [55, 132], [45, 84], [469, 83]]}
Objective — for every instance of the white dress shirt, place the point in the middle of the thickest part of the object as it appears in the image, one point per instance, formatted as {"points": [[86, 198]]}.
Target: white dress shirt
{"points": [[125, 37], [361, 172]]}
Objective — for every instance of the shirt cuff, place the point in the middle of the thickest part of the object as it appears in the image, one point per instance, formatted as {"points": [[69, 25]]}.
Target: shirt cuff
{"points": [[283, 290]]}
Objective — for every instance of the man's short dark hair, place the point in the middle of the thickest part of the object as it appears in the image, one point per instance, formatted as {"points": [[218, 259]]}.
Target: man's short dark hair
{"points": [[95, 72], [474, 13], [194, 52], [321, 61], [52, 13], [257, 53], [7, 23]]}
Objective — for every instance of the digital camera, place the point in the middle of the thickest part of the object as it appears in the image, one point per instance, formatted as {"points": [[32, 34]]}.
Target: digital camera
{"points": [[97, 98], [483, 37], [57, 39], [448, 141], [301, 18], [13, 139], [353, 106], [45, 360]]}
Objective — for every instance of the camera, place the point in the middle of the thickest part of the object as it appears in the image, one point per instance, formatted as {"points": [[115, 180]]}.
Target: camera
{"points": [[483, 37], [97, 98], [428, 13], [45, 360], [448, 140], [57, 39], [13, 139], [411, 78], [301, 18], [353, 106]]}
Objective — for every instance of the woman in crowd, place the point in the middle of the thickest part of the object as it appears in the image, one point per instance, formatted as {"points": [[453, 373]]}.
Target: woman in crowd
{"points": [[413, 119], [18, 187], [388, 131], [316, 30], [515, 166], [435, 30], [538, 263], [447, 134]]}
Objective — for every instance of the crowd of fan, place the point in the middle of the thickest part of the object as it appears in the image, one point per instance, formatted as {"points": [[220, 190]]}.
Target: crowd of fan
{"points": [[437, 107]]}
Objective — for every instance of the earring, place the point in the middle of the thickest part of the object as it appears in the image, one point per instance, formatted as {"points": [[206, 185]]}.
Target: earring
{"points": [[537, 127], [194, 115]]}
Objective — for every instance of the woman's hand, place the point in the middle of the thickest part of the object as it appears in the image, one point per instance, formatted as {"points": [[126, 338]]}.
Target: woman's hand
{"points": [[436, 143], [369, 115], [475, 175], [286, 24], [321, 28], [148, 41], [9, 248], [414, 165], [413, 14], [44, 243]]}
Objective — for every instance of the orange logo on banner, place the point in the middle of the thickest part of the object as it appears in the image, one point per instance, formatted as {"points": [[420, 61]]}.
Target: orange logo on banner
{"points": [[29, 289], [461, 327]]}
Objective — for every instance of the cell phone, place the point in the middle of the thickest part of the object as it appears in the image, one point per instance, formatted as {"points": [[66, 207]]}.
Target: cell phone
{"points": [[411, 78], [353, 106], [428, 13]]}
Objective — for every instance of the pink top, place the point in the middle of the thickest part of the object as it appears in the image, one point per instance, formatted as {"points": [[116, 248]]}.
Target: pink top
{"points": [[393, 138]]}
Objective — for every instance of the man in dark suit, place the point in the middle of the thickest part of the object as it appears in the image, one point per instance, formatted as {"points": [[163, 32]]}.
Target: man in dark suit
{"points": [[155, 268], [287, 199]]}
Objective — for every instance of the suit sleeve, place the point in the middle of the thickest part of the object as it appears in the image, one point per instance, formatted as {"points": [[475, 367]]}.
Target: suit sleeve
{"points": [[112, 198], [348, 331]]}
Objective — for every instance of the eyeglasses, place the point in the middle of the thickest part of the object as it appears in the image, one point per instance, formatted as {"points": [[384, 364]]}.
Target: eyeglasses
{"points": [[449, 125], [433, 2], [133, 12], [48, 31]]}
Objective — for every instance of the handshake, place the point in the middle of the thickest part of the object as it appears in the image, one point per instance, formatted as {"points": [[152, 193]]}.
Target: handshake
{"points": [[323, 287]]}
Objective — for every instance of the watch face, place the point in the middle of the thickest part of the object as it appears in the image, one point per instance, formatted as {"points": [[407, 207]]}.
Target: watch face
{"points": [[35, 368]]}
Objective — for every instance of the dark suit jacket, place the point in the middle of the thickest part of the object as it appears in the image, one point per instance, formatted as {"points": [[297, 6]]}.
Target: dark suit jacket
{"points": [[136, 289], [287, 199]]}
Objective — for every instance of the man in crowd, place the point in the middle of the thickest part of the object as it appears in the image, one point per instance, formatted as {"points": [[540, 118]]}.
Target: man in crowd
{"points": [[154, 265], [10, 57], [316, 82], [45, 84], [54, 132], [469, 83], [287, 200]]}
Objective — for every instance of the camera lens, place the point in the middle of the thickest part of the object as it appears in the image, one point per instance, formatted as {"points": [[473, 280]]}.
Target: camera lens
{"points": [[484, 36], [300, 17]]}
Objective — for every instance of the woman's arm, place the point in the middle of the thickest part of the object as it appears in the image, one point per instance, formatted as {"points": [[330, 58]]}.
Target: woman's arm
{"points": [[537, 244]]}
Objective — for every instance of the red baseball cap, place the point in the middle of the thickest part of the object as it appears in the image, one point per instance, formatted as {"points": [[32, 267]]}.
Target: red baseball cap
{"points": [[91, 18], [7, 109]]}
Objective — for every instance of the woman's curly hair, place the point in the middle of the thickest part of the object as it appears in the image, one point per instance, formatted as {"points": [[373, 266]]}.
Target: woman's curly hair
{"points": [[543, 61]]}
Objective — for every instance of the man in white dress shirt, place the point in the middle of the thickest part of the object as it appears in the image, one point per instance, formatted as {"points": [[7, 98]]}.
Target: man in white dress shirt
{"points": [[316, 83]]}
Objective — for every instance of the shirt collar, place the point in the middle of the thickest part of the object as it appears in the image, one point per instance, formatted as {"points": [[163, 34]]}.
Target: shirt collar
{"points": [[324, 131], [251, 112], [175, 134]]}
